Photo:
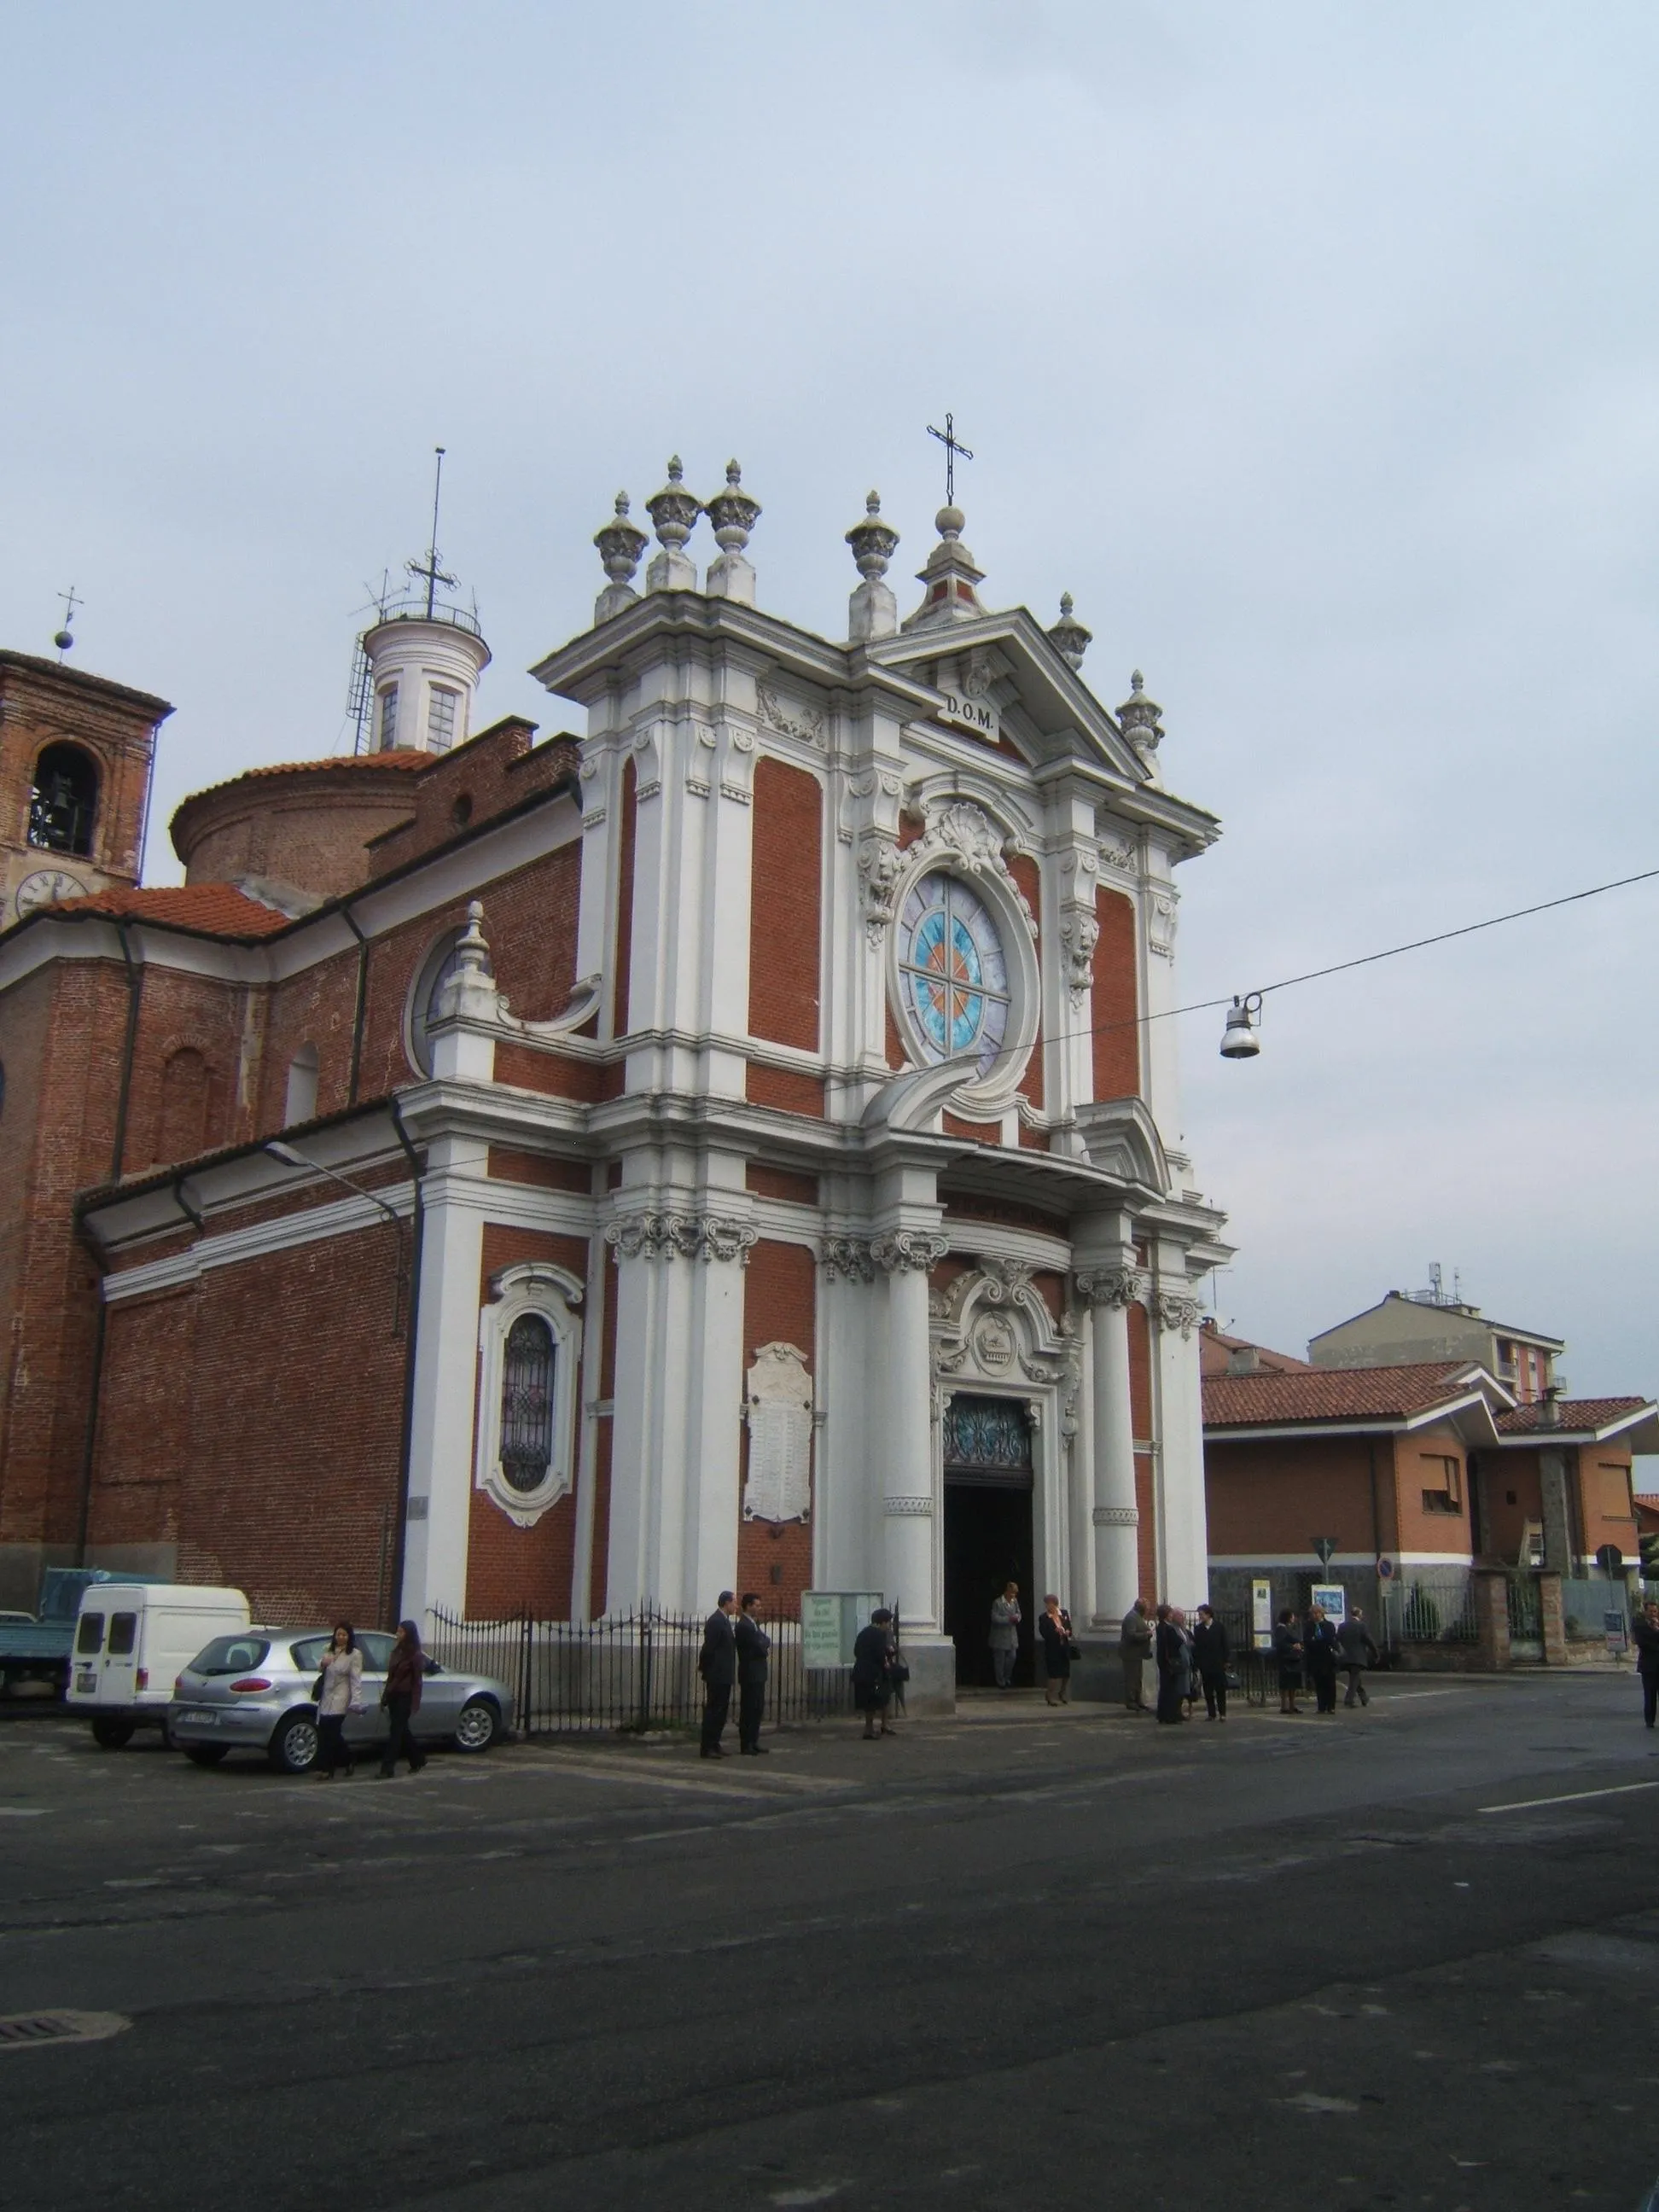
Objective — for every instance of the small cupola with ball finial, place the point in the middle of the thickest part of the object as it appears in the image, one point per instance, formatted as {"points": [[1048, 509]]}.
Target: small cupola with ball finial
{"points": [[950, 582]]}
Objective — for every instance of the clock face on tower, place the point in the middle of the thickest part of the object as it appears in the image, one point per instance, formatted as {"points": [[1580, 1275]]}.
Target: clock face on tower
{"points": [[47, 887]]}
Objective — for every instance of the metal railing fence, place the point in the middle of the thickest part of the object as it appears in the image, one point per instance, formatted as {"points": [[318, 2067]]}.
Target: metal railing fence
{"points": [[630, 1672]]}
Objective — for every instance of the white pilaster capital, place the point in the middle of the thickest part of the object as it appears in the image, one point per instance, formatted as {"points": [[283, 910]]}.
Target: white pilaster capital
{"points": [[848, 1255], [1120, 1287], [1178, 1312], [705, 1236], [917, 1250]]}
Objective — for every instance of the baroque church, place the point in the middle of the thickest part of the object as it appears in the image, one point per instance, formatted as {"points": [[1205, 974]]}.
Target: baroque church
{"points": [[733, 1146]]}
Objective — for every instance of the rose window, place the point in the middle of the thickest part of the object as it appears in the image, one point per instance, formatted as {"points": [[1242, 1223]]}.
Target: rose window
{"points": [[952, 972]]}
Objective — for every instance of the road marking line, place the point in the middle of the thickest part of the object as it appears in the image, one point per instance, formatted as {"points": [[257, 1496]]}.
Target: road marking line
{"points": [[1571, 1797]]}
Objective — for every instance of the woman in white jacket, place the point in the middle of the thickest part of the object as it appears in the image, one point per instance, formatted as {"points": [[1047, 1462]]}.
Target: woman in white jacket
{"points": [[342, 1681]]}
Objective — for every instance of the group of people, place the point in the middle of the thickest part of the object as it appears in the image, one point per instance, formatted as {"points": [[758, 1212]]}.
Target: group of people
{"points": [[736, 1653], [1053, 1628], [339, 1690], [1199, 1655]]}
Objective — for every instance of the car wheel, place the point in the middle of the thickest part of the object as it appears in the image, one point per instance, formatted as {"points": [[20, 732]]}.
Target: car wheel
{"points": [[294, 1747], [110, 1731], [205, 1754], [479, 1725]]}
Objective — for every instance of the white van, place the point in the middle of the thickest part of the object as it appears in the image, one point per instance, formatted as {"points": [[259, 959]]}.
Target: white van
{"points": [[131, 1639]]}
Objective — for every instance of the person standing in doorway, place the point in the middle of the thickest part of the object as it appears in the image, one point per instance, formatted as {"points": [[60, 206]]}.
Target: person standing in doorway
{"points": [[1287, 1656], [1322, 1652], [1054, 1627], [1174, 1659], [341, 1692], [402, 1700], [717, 1662], [1135, 1648], [1644, 1631], [1357, 1652], [1004, 1639], [754, 1665], [874, 1648], [1211, 1652]]}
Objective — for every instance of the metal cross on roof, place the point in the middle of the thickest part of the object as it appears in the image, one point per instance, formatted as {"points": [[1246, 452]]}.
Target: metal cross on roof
{"points": [[953, 446]]}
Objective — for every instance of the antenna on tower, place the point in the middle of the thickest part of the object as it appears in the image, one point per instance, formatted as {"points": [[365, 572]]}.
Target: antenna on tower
{"points": [[428, 569], [64, 639]]}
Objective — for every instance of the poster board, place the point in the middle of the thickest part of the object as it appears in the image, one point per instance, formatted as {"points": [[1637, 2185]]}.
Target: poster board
{"points": [[1334, 1599], [830, 1621]]}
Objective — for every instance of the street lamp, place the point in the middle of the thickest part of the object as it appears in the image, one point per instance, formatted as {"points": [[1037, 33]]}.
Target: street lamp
{"points": [[290, 1157], [1238, 1039]]}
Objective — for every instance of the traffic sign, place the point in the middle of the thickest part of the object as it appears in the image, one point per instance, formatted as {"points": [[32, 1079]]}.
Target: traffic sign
{"points": [[1385, 1568]]}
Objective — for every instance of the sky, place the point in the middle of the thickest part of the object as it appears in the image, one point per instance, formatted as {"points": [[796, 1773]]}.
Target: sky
{"points": [[1311, 347]]}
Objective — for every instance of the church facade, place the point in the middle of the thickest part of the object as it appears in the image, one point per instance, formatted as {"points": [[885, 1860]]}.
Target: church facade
{"points": [[733, 1146]]}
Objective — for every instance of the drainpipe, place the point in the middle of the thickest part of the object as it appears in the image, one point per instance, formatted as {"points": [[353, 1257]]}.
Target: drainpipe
{"points": [[357, 1011], [411, 1345]]}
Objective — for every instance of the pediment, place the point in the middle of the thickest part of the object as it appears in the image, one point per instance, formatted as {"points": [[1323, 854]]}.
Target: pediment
{"points": [[1002, 682]]}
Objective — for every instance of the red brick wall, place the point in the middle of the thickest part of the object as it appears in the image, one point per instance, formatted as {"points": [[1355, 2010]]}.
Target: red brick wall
{"points": [[1117, 999], [784, 902], [1271, 1496], [539, 1170], [781, 1182], [782, 1087], [254, 1419], [510, 1569], [978, 1133], [1416, 1466], [780, 1293], [1006, 1214]]}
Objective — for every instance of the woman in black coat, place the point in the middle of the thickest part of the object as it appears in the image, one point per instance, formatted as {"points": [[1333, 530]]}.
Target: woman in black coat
{"points": [[1321, 1652], [1054, 1627], [1211, 1653], [1287, 1652], [874, 1648]]}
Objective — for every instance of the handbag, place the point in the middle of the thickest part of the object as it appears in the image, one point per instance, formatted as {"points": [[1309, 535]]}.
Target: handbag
{"points": [[898, 1672], [1073, 1650], [317, 1691]]}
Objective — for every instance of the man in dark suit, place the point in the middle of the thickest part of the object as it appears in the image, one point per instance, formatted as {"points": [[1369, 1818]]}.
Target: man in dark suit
{"points": [[717, 1662], [753, 1645]]}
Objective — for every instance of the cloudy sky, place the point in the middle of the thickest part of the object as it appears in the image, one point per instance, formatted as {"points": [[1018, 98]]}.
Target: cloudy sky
{"points": [[1311, 346]]}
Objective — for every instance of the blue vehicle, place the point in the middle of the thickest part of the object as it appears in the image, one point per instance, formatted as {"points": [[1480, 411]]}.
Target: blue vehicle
{"points": [[35, 1648]]}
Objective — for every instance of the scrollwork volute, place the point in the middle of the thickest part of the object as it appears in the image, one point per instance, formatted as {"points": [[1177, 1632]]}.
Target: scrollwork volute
{"points": [[1111, 1287]]}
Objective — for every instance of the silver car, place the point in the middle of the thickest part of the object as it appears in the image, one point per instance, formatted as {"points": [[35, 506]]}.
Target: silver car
{"points": [[252, 1692]]}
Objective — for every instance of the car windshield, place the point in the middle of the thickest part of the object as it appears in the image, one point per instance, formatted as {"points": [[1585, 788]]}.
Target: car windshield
{"points": [[230, 1655]]}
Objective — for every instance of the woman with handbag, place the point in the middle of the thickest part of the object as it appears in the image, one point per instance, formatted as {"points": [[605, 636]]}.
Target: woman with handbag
{"points": [[874, 1655], [1054, 1627], [401, 1699], [338, 1692]]}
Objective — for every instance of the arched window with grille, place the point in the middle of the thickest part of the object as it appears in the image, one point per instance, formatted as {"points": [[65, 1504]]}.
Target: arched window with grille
{"points": [[530, 1335], [529, 1370], [63, 800]]}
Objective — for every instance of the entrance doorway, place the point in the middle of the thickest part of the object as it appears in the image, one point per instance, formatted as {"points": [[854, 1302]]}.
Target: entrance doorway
{"points": [[987, 1530]]}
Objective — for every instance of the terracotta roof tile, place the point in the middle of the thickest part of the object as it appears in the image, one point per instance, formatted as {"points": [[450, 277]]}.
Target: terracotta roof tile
{"points": [[1333, 1393], [218, 909], [1216, 1347], [1577, 1414]]}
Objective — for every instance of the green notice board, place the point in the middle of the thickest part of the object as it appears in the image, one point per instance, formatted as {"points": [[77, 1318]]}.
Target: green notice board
{"points": [[830, 1620]]}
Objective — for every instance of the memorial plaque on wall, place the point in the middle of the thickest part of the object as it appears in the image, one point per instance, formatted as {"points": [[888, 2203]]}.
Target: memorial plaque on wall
{"points": [[780, 1406]]}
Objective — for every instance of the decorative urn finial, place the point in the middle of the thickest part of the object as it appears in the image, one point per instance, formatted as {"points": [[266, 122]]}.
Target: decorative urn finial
{"points": [[1070, 640], [673, 512], [620, 544], [733, 514], [872, 610], [1138, 717]]}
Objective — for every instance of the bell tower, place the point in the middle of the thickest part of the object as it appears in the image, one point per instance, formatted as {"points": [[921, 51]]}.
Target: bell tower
{"points": [[76, 755]]}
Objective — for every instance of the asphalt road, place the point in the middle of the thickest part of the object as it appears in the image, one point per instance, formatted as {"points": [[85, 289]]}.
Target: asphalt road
{"points": [[1080, 1961]]}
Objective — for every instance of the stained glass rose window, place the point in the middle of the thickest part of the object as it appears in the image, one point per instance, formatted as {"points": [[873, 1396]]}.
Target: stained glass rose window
{"points": [[952, 972]]}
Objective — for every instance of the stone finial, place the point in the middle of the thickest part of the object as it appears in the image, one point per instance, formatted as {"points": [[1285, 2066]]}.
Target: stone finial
{"points": [[1138, 717], [673, 513], [1070, 640], [468, 1001], [950, 577], [873, 608], [472, 949], [621, 542], [733, 514]]}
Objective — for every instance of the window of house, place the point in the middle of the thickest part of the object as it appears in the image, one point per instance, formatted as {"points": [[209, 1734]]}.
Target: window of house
{"points": [[388, 721], [63, 800], [442, 706], [529, 1337], [301, 1104], [1444, 1472]]}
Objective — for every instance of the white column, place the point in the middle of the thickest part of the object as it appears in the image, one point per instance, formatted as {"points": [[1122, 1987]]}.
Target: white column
{"points": [[902, 1401], [446, 1385], [712, 1505], [1184, 1547], [1110, 1292]]}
